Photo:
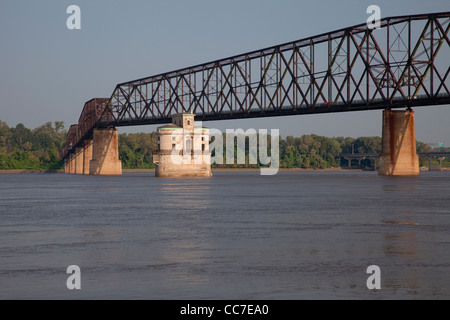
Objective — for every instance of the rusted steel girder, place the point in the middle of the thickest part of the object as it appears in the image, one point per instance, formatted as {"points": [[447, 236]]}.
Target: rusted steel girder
{"points": [[404, 63], [89, 118]]}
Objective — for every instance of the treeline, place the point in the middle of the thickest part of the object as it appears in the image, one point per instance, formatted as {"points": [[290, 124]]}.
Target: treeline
{"points": [[136, 150], [22, 148], [313, 151], [307, 151]]}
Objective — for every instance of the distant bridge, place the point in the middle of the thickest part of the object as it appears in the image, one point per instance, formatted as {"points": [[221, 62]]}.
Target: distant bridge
{"points": [[440, 156]]}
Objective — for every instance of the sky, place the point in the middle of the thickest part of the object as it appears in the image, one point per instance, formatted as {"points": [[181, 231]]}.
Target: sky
{"points": [[48, 72]]}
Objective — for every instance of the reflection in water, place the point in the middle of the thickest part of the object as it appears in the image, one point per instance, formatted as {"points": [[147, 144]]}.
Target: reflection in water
{"points": [[406, 245], [404, 217], [404, 241], [402, 244], [186, 193], [96, 240], [191, 198], [402, 186], [401, 222], [296, 235]]}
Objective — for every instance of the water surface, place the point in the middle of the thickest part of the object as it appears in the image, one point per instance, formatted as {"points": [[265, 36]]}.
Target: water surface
{"points": [[237, 235]]}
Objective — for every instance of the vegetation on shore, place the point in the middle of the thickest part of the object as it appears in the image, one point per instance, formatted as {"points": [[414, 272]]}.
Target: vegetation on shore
{"points": [[22, 148], [38, 149]]}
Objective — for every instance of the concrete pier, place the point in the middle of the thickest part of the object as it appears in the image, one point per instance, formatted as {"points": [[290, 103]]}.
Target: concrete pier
{"points": [[435, 167], [87, 155], [105, 154], [79, 160], [72, 163], [184, 166], [349, 162], [67, 165], [398, 156]]}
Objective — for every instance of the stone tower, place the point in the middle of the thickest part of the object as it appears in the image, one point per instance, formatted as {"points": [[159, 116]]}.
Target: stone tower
{"points": [[183, 149]]}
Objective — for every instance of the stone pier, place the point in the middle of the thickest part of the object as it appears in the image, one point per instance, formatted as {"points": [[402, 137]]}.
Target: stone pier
{"points": [[435, 167], [105, 153], [398, 155], [79, 160], [72, 163], [67, 165], [87, 155], [349, 162]]}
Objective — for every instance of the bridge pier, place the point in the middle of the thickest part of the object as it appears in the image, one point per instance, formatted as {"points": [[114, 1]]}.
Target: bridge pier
{"points": [[105, 153], [87, 155], [374, 163], [67, 165], [349, 160], [398, 155], [440, 159], [435, 167], [79, 160], [72, 163]]}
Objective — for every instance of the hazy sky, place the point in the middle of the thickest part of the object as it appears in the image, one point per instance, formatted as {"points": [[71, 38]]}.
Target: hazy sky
{"points": [[48, 72]]}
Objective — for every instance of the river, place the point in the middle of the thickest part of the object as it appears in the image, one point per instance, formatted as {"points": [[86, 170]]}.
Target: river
{"points": [[236, 235]]}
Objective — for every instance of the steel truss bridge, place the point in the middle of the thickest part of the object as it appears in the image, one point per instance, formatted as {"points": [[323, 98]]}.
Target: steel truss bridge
{"points": [[404, 63]]}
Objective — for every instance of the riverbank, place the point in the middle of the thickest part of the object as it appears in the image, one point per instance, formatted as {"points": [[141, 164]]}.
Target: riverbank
{"points": [[282, 169], [248, 170], [21, 171], [18, 171]]}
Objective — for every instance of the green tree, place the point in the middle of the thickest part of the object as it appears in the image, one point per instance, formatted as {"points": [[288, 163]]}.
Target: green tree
{"points": [[22, 148], [367, 145]]}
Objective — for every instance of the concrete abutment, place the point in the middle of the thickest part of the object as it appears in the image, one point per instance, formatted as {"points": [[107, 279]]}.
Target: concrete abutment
{"points": [[398, 155], [72, 163], [79, 160], [87, 155], [105, 153]]}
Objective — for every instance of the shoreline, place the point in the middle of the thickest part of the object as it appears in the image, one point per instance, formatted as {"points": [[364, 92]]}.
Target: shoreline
{"points": [[22, 171], [282, 169], [19, 171], [25, 171]]}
